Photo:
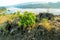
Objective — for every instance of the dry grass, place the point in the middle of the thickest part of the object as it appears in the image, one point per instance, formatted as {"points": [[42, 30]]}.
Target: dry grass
{"points": [[4, 18], [45, 23]]}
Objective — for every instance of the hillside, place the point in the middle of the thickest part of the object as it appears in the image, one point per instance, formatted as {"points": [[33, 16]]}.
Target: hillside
{"points": [[28, 26], [38, 5]]}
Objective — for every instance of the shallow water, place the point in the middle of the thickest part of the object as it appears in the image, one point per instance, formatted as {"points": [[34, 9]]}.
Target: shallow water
{"points": [[37, 10]]}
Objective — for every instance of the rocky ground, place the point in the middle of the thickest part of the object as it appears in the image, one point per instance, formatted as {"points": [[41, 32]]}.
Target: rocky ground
{"points": [[37, 33]]}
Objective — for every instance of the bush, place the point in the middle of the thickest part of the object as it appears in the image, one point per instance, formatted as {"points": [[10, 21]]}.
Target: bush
{"points": [[26, 19], [45, 23], [49, 16], [5, 27]]}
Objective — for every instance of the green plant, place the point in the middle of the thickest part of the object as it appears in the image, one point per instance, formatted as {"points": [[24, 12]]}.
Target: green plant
{"points": [[26, 19], [3, 27]]}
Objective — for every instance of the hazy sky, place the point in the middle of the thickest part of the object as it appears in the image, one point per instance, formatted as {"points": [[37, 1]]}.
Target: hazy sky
{"points": [[13, 2]]}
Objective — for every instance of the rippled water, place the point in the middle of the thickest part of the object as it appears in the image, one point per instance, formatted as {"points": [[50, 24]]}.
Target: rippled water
{"points": [[37, 10]]}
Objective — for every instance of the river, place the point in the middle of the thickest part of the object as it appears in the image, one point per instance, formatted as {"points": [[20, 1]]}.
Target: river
{"points": [[38, 10]]}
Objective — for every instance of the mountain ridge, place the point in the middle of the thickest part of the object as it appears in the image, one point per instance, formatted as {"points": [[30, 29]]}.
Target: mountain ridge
{"points": [[36, 5]]}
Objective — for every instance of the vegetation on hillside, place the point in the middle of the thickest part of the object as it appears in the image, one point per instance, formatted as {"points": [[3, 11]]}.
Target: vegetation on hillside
{"points": [[28, 26]]}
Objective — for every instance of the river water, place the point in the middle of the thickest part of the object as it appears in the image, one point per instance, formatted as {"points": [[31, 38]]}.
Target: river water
{"points": [[38, 10]]}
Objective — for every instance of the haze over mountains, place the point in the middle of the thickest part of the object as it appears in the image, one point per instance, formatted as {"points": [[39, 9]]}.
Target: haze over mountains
{"points": [[37, 5]]}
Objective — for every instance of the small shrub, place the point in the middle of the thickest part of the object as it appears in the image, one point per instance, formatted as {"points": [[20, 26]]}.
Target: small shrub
{"points": [[44, 22], [49, 16], [26, 19], [5, 26]]}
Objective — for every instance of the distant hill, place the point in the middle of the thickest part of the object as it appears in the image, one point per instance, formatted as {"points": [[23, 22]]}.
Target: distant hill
{"points": [[38, 5]]}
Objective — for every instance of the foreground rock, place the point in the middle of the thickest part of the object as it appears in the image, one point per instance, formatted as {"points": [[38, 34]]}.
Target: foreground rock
{"points": [[38, 33]]}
